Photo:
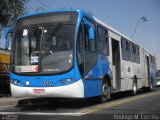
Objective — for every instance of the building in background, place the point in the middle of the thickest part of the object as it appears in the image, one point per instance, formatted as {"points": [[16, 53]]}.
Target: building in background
{"points": [[158, 62], [5, 47]]}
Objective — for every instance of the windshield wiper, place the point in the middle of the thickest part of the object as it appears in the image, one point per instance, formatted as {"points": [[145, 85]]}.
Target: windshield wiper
{"points": [[31, 32], [56, 28]]}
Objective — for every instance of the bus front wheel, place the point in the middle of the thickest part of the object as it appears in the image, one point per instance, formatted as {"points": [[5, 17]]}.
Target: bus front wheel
{"points": [[106, 91]]}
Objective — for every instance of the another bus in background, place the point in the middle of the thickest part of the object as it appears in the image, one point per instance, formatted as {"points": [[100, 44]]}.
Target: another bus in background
{"points": [[5, 49], [158, 77]]}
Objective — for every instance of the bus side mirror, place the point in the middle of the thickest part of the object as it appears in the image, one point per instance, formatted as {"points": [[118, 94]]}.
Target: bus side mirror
{"points": [[90, 30], [91, 33]]}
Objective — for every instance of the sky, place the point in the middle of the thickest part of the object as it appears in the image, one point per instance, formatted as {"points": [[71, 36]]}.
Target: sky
{"points": [[122, 15]]}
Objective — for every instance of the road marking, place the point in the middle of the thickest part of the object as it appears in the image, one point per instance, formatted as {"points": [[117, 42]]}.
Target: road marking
{"points": [[3, 107], [108, 105]]}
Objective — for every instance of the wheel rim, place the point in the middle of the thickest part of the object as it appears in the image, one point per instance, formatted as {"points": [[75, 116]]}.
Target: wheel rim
{"points": [[104, 89], [151, 87], [135, 88]]}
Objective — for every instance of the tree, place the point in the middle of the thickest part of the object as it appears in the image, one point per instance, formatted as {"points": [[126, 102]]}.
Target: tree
{"points": [[10, 10]]}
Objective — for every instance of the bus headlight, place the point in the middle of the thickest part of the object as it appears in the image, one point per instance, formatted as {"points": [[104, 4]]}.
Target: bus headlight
{"points": [[27, 83], [62, 81], [16, 82], [66, 81]]}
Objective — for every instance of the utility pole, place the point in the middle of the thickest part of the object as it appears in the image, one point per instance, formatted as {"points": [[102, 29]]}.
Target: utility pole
{"points": [[142, 19]]}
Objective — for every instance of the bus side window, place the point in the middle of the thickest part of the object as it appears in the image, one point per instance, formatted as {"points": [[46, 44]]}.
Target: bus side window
{"points": [[125, 49], [132, 56], [87, 47], [103, 43], [137, 55]]}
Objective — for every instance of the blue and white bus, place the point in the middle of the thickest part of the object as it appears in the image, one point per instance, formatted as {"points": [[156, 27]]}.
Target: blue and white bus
{"points": [[71, 54]]}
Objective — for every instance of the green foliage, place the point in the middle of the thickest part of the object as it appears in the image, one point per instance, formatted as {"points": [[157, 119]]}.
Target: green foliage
{"points": [[10, 10]]}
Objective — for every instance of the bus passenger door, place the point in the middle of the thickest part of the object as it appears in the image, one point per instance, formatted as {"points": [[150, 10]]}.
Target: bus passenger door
{"points": [[90, 55], [116, 63], [80, 51], [86, 49], [92, 86], [148, 70]]}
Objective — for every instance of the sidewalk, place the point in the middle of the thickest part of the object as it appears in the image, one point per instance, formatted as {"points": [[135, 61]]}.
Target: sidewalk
{"points": [[6, 100], [9, 101]]}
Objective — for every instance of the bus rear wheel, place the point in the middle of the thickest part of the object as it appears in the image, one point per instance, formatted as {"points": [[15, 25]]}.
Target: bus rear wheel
{"points": [[134, 89], [151, 86]]}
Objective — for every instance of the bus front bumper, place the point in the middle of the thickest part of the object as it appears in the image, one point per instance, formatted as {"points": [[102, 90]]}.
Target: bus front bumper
{"points": [[75, 90]]}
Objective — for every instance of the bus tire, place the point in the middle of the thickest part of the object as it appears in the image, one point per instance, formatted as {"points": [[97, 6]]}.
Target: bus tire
{"points": [[150, 88], [106, 92], [134, 89]]}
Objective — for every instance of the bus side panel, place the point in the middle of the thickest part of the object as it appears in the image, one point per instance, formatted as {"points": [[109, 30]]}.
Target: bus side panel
{"points": [[92, 88], [94, 78]]}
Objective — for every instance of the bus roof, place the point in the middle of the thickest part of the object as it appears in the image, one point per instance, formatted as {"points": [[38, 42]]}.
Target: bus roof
{"points": [[112, 29]]}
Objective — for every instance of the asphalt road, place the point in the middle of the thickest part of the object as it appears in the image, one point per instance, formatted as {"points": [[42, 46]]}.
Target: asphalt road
{"points": [[123, 106]]}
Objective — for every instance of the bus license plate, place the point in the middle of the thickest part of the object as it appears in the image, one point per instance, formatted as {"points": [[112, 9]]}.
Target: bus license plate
{"points": [[38, 91]]}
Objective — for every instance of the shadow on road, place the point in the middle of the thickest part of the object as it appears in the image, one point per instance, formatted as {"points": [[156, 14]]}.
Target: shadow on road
{"points": [[64, 105]]}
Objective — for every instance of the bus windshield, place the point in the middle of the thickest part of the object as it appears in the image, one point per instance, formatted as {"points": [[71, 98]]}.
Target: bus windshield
{"points": [[43, 48]]}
